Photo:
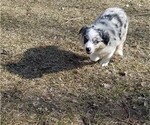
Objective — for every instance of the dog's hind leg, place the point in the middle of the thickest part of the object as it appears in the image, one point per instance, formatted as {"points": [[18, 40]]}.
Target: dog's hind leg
{"points": [[119, 50]]}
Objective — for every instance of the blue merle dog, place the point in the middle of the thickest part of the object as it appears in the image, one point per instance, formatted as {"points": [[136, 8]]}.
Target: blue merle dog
{"points": [[106, 35]]}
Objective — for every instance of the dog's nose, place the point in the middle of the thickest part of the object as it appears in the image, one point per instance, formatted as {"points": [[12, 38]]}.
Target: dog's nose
{"points": [[88, 50]]}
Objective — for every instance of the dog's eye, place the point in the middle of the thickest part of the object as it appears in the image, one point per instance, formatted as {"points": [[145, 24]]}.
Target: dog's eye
{"points": [[85, 40], [96, 41]]}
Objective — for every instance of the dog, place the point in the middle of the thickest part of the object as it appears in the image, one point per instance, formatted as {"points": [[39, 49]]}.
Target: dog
{"points": [[106, 35]]}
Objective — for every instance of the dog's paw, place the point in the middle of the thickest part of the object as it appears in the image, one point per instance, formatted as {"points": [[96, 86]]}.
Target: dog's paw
{"points": [[103, 64], [94, 58], [119, 52]]}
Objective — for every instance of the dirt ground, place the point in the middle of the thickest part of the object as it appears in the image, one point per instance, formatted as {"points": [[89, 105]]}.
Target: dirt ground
{"points": [[46, 77]]}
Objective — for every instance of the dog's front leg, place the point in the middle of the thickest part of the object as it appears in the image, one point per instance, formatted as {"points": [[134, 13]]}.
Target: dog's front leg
{"points": [[94, 57], [105, 60]]}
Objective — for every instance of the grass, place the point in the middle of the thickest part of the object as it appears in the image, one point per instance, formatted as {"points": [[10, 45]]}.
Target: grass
{"points": [[46, 77]]}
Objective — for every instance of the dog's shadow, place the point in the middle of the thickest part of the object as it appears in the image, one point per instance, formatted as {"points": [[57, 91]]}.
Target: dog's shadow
{"points": [[50, 59]]}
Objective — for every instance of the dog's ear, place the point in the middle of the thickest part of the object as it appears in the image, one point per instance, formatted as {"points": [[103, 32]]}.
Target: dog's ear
{"points": [[105, 37], [83, 30]]}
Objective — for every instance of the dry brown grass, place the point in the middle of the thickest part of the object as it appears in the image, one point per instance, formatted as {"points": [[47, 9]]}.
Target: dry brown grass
{"points": [[46, 78]]}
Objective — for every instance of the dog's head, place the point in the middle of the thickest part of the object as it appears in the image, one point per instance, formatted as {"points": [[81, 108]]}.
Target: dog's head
{"points": [[93, 39]]}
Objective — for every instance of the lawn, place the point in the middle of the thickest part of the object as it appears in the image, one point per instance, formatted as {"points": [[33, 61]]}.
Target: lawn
{"points": [[46, 77]]}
